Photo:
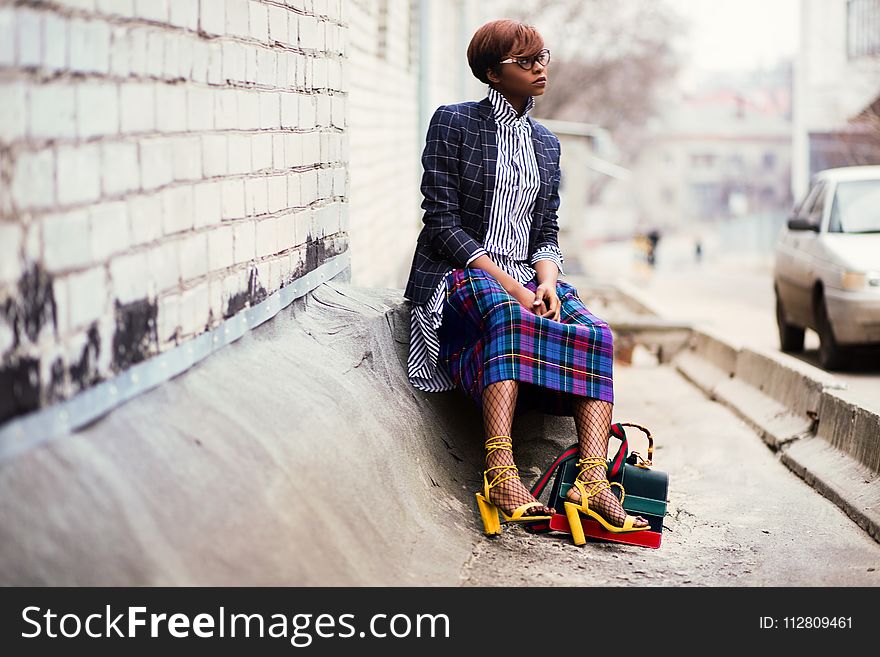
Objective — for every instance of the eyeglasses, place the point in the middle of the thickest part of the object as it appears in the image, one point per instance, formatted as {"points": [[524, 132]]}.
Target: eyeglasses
{"points": [[526, 63]]}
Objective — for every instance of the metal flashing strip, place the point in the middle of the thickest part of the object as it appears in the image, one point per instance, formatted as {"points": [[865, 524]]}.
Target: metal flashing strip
{"points": [[27, 431]]}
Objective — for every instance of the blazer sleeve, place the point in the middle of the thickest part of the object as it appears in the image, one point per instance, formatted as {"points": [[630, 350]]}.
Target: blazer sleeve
{"points": [[440, 189]]}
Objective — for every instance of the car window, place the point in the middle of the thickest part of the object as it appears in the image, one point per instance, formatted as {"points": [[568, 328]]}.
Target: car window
{"points": [[856, 207], [808, 202], [815, 216]]}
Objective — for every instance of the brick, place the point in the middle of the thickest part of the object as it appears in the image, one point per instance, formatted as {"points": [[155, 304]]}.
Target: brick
{"points": [[187, 158], [152, 10], [286, 232], [171, 55], [226, 109], [194, 306], [193, 256], [137, 107], [311, 146], [234, 55], [87, 296], [13, 111], [248, 110], [11, 243], [337, 109], [220, 254], [302, 224], [157, 165], [239, 153], [259, 21], [89, 46], [232, 193], [340, 181], [278, 159], [267, 237], [185, 13], [289, 110], [267, 67], [208, 204], [120, 170], [215, 155], [251, 74], [306, 112], [294, 191], [237, 18], [155, 64], [215, 63], [322, 114], [184, 67], [293, 150], [108, 224], [137, 50], [29, 33], [277, 193], [261, 151], [200, 108], [52, 111], [168, 319], [256, 196], [270, 110], [309, 183], [200, 54], [127, 277], [33, 180], [66, 242], [163, 266], [97, 107], [177, 209], [244, 245], [308, 29], [278, 19], [325, 183], [78, 174], [212, 16], [146, 218]]}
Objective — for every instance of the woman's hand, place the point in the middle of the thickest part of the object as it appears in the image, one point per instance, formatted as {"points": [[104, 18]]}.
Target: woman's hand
{"points": [[546, 297]]}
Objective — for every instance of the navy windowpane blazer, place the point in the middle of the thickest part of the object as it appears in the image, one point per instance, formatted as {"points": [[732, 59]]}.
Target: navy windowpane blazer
{"points": [[458, 184]]}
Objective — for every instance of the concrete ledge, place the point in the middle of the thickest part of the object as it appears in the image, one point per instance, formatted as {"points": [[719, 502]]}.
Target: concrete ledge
{"points": [[798, 410]]}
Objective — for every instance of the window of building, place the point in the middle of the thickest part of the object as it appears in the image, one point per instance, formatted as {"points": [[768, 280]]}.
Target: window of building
{"points": [[863, 28], [769, 160], [702, 160]]}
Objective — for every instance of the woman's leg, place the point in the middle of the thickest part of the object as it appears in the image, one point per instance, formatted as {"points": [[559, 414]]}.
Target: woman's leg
{"points": [[499, 402], [592, 417]]}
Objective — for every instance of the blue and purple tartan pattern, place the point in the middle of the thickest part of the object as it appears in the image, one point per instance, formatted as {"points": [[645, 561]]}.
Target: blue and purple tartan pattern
{"points": [[488, 336]]}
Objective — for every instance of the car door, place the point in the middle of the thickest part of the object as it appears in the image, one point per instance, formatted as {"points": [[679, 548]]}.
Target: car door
{"points": [[802, 269], [793, 263]]}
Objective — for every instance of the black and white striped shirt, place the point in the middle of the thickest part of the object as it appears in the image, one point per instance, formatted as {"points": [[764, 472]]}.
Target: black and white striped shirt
{"points": [[506, 241]]}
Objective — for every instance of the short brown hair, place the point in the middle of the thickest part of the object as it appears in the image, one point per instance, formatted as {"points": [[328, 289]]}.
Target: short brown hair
{"points": [[494, 40]]}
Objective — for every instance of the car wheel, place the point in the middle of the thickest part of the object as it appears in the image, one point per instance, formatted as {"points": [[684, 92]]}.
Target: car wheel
{"points": [[831, 355], [791, 338]]}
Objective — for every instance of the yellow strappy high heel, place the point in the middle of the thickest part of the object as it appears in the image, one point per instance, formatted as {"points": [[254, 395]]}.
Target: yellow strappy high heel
{"points": [[573, 511], [488, 510]]}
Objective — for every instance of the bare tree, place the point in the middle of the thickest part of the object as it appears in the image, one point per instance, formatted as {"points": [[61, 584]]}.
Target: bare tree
{"points": [[610, 61]]}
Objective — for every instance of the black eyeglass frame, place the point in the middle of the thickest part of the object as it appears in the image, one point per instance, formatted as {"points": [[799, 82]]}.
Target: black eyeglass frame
{"points": [[526, 63]]}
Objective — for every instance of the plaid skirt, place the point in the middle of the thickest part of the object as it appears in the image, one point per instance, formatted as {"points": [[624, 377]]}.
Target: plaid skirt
{"points": [[488, 336]]}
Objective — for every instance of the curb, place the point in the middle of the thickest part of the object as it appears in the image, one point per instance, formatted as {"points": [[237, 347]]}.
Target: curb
{"points": [[800, 411]]}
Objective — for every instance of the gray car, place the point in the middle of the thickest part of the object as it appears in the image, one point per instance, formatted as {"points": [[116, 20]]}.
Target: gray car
{"points": [[827, 266]]}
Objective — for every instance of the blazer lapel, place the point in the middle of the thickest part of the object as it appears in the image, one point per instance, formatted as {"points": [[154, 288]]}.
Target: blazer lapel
{"points": [[489, 139], [543, 162]]}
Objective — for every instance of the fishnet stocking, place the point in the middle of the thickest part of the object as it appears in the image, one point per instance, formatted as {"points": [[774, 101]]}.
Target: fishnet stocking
{"points": [[592, 417], [499, 402]]}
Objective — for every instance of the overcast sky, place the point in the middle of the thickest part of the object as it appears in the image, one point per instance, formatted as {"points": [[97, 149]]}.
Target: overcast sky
{"points": [[736, 34]]}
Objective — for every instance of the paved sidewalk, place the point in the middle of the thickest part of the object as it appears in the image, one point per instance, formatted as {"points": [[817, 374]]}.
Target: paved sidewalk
{"points": [[736, 515]]}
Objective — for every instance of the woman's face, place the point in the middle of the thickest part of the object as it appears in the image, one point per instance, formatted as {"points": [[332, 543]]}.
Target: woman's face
{"points": [[516, 81]]}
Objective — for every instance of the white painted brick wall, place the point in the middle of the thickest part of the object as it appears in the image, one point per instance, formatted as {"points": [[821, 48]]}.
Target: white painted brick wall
{"points": [[157, 153]]}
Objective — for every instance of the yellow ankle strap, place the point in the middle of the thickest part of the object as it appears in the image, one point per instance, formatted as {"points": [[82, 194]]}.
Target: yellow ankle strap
{"points": [[493, 444]]}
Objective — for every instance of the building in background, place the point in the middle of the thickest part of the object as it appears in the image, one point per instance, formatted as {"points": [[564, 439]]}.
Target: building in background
{"points": [[837, 88], [722, 152]]}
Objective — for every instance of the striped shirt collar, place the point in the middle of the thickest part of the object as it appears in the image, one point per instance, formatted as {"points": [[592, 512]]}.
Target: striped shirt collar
{"points": [[504, 111]]}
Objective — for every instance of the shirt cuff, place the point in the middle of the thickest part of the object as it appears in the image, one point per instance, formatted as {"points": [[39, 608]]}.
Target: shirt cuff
{"points": [[549, 252], [476, 255]]}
